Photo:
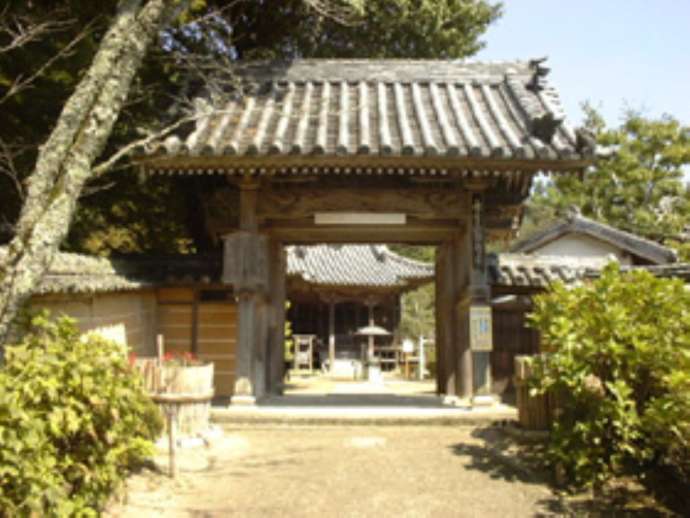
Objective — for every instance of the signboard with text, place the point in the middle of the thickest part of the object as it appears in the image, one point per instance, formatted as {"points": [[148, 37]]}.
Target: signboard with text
{"points": [[481, 335]]}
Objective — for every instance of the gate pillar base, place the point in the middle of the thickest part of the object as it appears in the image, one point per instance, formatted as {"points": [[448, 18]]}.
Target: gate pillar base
{"points": [[242, 401], [481, 363], [484, 400]]}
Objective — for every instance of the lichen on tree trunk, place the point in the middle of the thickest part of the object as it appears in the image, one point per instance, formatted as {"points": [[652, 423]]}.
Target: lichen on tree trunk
{"points": [[64, 161]]}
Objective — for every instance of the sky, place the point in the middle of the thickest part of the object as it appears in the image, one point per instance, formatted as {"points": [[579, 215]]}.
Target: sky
{"points": [[617, 54]]}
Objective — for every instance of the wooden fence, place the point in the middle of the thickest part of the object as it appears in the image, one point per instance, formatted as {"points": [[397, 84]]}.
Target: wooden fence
{"points": [[534, 412]]}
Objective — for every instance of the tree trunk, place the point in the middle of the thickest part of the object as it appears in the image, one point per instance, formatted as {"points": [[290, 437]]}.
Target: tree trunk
{"points": [[64, 161]]}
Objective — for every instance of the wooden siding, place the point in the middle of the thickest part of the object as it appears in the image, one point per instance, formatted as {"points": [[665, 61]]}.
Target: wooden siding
{"points": [[208, 329], [511, 338], [216, 342]]}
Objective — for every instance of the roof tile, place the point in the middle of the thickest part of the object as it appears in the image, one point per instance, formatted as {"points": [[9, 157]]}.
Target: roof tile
{"points": [[386, 107]]}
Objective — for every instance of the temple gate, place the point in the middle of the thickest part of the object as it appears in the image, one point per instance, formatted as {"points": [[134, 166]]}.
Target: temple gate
{"points": [[365, 151]]}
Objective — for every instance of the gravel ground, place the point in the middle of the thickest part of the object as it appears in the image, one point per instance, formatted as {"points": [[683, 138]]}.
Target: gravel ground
{"points": [[358, 471]]}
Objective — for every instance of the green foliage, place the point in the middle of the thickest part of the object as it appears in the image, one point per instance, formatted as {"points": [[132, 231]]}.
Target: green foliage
{"points": [[120, 214], [74, 418], [619, 360], [418, 306], [418, 313], [288, 354], [639, 187]]}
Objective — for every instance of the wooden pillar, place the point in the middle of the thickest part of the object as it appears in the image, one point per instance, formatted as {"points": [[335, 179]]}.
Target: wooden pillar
{"points": [[446, 347], [246, 267], [276, 352], [439, 327], [370, 343], [331, 334], [474, 365]]}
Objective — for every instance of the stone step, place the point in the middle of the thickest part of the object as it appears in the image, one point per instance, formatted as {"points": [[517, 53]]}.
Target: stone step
{"points": [[361, 416]]}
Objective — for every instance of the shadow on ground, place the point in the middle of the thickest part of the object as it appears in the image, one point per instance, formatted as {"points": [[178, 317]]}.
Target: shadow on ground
{"points": [[500, 456]]}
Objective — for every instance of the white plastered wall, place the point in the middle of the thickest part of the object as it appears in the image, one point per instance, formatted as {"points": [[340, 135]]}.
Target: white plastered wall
{"points": [[128, 318], [580, 245]]}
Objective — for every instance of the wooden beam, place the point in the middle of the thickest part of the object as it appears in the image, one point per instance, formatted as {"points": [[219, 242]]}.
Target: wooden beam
{"points": [[369, 164], [417, 232], [420, 202]]}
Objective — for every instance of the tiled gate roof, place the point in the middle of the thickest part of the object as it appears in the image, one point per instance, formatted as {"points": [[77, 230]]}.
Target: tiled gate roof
{"points": [[384, 108]]}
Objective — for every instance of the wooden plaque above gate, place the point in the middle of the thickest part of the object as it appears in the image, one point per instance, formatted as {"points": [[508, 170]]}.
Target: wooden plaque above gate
{"points": [[359, 218]]}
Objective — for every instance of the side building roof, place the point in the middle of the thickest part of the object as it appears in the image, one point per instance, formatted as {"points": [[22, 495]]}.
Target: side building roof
{"points": [[513, 270], [83, 274], [323, 265], [640, 247]]}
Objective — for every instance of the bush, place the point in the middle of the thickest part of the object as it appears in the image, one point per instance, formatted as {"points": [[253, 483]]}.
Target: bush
{"points": [[619, 359], [74, 418]]}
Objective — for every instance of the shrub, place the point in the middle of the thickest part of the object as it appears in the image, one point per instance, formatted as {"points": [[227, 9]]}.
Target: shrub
{"points": [[73, 420], [619, 359]]}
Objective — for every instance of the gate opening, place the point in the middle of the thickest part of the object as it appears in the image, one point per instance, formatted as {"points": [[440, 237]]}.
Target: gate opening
{"points": [[360, 326]]}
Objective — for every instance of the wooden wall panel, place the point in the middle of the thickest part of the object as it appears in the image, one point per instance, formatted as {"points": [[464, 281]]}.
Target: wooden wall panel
{"points": [[224, 383], [216, 332], [216, 342], [222, 347], [175, 324], [511, 338], [208, 332], [175, 295], [174, 315]]}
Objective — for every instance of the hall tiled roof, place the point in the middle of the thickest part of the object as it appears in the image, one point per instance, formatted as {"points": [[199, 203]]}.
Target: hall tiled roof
{"points": [[355, 265], [384, 108]]}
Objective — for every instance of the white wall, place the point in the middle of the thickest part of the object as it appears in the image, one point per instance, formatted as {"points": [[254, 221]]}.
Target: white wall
{"points": [[580, 245], [128, 318]]}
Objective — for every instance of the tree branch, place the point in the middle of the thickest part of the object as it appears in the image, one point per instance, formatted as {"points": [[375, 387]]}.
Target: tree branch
{"points": [[124, 151], [20, 84], [23, 30]]}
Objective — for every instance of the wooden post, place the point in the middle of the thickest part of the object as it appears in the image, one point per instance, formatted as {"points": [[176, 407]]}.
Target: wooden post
{"points": [[370, 344], [160, 349], [474, 366], [276, 356], [171, 414], [331, 334], [195, 323], [246, 267], [442, 313], [447, 349]]}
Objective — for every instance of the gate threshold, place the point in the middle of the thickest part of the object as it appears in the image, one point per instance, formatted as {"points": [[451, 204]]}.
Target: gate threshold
{"points": [[287, 410]]}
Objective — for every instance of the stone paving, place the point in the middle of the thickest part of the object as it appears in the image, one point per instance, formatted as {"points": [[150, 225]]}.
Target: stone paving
{"points": [[320, 400], [358, 471]]}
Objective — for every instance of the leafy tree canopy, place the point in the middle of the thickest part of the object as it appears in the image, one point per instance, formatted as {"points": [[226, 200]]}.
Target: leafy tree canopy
{"points": [[116, 208], [639, 187]]}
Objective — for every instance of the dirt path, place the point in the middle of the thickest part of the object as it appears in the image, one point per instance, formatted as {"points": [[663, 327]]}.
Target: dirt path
{"points": [[350, 472]]}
